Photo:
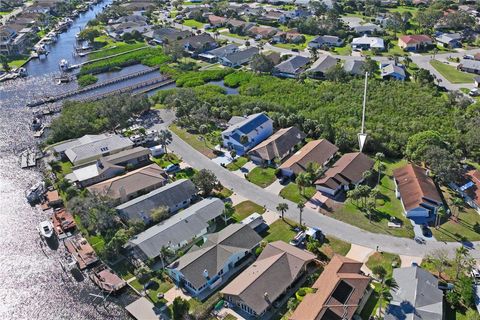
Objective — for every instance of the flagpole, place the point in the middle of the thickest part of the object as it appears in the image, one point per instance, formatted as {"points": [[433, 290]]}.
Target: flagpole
{"points": [[364, 102]]}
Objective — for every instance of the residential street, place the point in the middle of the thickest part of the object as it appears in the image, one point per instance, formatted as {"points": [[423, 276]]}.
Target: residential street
{"points": [[311, 217]]}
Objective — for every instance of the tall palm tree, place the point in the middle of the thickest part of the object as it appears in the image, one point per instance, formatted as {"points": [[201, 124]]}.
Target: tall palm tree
{"points": [[300, 207], [165, 138], [456, 202], [302, 181], [282, 208], [438, 216]]}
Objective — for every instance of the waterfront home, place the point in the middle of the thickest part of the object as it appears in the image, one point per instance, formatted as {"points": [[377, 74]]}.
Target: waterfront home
{"points": [[218, 53], [292, 67], [347, 171], [392, 71], [247, 132], [132, 184], [417, 192], [367, 43], [82, 251], [276, 269], [341, 292], [319, 68], [472, 66], [174, 196], [469, 188], [238, 58], [449, 40], [415, 295], [178, 230], [277, 147], [415, 42], [197, 44], [167, 35], [354, 67], [53, 198], [89, 148], [207, 267], [325, 41]]}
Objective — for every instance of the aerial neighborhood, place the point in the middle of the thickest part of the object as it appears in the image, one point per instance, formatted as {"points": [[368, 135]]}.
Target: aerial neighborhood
{"points": [[301, 160]]}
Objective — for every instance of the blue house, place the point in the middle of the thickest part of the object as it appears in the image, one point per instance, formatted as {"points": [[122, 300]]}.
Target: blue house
{"points": [[392, 71], [245, 133]]}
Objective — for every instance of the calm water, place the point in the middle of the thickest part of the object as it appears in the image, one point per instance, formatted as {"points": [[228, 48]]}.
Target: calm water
{"points": [[32, 283]]}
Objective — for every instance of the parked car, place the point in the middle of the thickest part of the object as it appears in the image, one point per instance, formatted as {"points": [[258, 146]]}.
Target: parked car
{"points": [[474, 92], [426, 231], [446, 286], [172, 168], [315, 233], [419, 240], [468, 57], [298, 239]]}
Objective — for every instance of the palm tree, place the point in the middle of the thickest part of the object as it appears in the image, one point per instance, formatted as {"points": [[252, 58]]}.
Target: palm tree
{"points": [[380, 168], [379, 157], [282, 208], [439, 215], [302, 181], [164, 254], [460, 254], [456, 202], [381, 273], [165, 138], [300, 207], [367, 175], [228, 211]]}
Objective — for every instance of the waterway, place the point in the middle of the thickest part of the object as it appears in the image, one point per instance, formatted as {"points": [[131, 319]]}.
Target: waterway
{"points": [[32, 283]]}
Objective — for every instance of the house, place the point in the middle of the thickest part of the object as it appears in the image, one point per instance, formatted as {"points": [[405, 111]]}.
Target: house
{"points": [[450, 40], [476, 81], [174, 196], [317, 151], [253, 129], [470, 188], [197, 44], [320, 67], [291, 36], [89, 148], [292, 67], [354, 67], [347, 171], [205, 268], [280, 144], [132, 184], [414, 42], [256, 222], [366, 29], [167, 35], [262, 32], [392, 71], [238, 58], [325, 41], [215, 54], [472, 66], [13, 42], [341, 291], [277, 268], [415, 296], [367, 43], [178, 230], [417, 191], [216, 21], [272, 16]]}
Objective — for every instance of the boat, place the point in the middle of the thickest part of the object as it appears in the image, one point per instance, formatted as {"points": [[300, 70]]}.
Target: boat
{"points": [[36, 124], [46, 229], [35, 193], [71, 262], [64, 65], [106, 279], [22, 72]]}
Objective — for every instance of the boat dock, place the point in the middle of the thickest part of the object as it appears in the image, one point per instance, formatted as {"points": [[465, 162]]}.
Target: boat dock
{"points": [[75, 66], [28, 159]]}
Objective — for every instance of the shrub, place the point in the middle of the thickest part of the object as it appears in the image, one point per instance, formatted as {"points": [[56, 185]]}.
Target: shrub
{"points": [[87, 80], [236, 79]]}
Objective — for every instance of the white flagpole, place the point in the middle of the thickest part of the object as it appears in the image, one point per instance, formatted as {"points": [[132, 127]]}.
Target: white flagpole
{"points": [[362, 136]]}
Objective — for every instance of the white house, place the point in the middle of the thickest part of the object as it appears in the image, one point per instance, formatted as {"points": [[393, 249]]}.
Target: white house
{"points": [[367, 43]]}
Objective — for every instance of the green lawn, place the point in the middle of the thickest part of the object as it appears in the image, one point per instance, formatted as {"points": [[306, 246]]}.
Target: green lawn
{"points": [[166, 159], [281, 230], [233, 35], [124, 269], [246, 208], [292, 193], [204, 147], [461, 230], [333, 245], [17, 63], [237, 163], [299, 46], [346, 50], [160, 286], [451, 73], [403, 9], [193, 23], [186, 173], [384, 259], [262, 177], [4, 13], [372, 303], [387, 205], [223, 194]]}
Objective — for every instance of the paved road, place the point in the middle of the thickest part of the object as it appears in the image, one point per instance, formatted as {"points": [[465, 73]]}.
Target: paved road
{"points": [[311, 217], [5, 18]]}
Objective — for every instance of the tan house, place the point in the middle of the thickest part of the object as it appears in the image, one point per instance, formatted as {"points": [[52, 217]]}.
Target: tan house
{"points": [[260, 285], [414, 42], [132, 184], [347, 171], [278, 146], [317, 151], [341, 291]]}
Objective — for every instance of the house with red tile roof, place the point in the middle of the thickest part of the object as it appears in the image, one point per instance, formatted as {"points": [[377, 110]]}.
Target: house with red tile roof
{"points": [[414, 42], [417, 191]]}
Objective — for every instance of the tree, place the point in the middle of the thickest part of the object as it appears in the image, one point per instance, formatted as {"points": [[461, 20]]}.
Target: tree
{"points": [[89, 34], [443, 163], [175, 50], [439, 260], [179, 308], [282, 208], [418, 144], [4, 62], [370, 66], [115, 244], [165, 253], [228, 211], [336, 74], [260, 63], [439, 215], [461, 258], [165, 138], [205, 180], [455, 203], [300, 207], [367, 175], [302, 182], [159, 214], [423, 76]]}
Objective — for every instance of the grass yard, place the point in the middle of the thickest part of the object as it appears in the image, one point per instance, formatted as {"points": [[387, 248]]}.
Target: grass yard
{"points": [[299, 46], [451, 73], [124, 269], [193, 23], [467, 228], [233, 35], [237, 163], [346, 50], [403, 9], [387, 206], [166, 159], [292, 193], [17, 63], [372, 303], [186, 173], [384, 259], [205, 147], [262, 177], [246, 208], [159, 286], [280, 230], [333, 245], [223, 194]]}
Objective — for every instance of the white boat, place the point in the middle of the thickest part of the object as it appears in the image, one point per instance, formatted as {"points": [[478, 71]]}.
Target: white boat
{"points": [[46, 229], [33, 194], [64, 65]]}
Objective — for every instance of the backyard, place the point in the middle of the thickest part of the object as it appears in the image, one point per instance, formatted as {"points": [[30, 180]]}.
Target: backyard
{"points": [[451, 73], [156, 286], [292, 193], [166, 159], [199, 143], [193, 23], [262, 177], [246, 208], [299, 46]]}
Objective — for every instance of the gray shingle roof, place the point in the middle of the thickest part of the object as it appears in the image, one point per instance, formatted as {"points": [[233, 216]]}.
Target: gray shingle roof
{"points": [[215, 252], [127, 155], [292, 65], [241, 56], [323, 63], [180, 227], [169, 196], [354, 67], [417, 296], [223, 51]]}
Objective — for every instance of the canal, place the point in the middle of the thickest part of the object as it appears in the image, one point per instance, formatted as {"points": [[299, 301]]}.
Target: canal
{"points": [[33, 285]]}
